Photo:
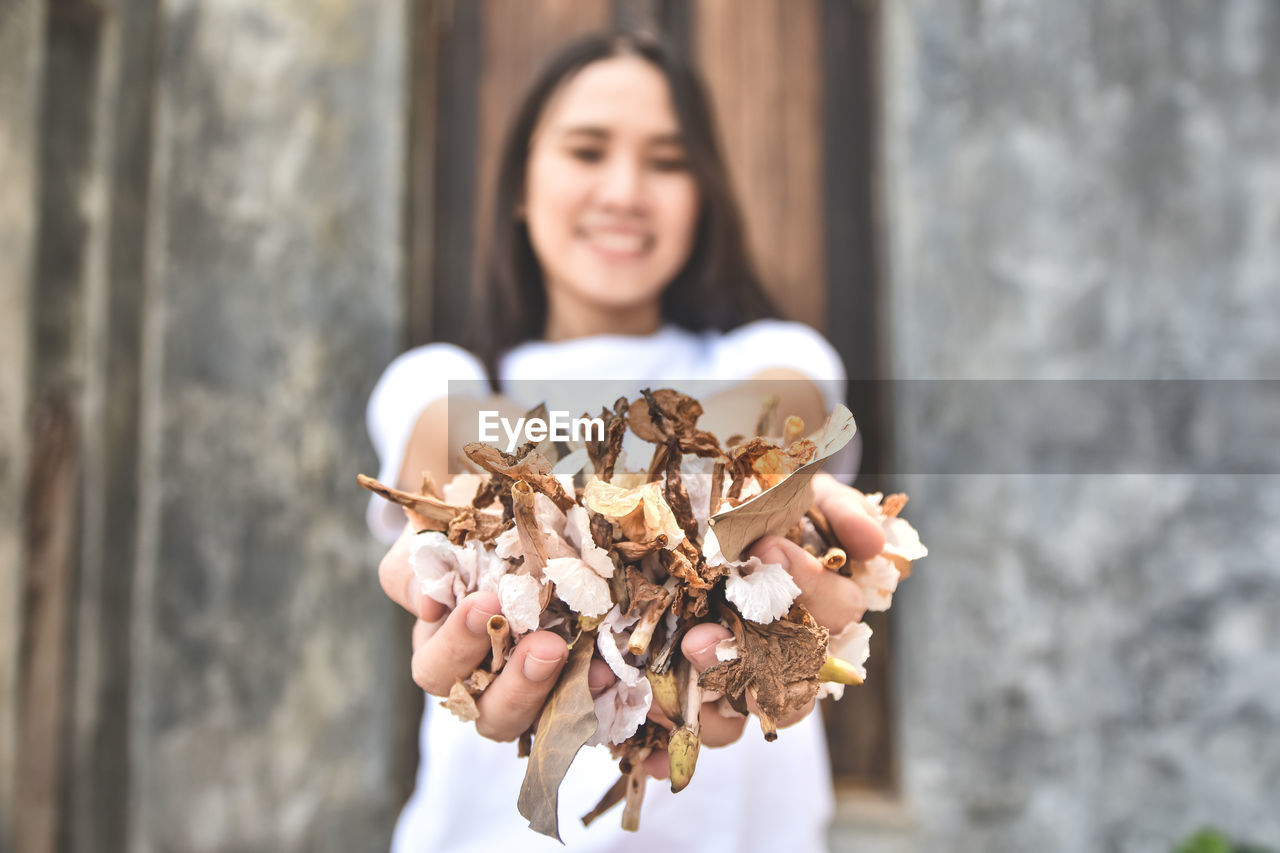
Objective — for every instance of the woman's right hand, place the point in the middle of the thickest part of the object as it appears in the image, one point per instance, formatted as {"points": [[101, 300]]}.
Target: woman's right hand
{"points": [[450, 645]]}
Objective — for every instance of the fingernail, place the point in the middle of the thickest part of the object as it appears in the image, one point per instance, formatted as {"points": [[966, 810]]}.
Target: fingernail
{"points": [[478, 620], [537, 669], [708, 648]]}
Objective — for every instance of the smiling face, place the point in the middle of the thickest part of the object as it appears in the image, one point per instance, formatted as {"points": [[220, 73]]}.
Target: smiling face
{"points": [[610, 204]]}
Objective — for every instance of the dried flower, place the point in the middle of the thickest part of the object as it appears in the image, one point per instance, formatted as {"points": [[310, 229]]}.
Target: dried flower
{"points": [[620, 710], [520, 597], [642, 512], [761, 591], [578, 586]]}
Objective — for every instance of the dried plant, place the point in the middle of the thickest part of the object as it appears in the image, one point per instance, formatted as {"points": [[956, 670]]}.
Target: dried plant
{"points": [[624, 565]]}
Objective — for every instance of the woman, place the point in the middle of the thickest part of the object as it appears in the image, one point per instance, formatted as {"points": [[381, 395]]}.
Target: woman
{"points": [[617, 253]]}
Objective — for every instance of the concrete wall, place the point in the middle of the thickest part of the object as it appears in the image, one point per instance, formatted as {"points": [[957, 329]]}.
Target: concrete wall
{"points": [[20, 55], [264, 685], [1088, 662], [201, 230]]}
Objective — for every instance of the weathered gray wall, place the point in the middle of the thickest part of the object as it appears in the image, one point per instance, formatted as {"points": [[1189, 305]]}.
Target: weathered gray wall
{"points": [[20, 51], [200, 252], [1087, 190], [263, 691]]}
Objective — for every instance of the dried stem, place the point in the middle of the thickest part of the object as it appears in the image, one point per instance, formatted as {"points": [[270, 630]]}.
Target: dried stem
{"points": [[834, 559], [611, 798], [525, 745], [717, 487], [693, 702], [767, 725], [634, 796], [531, 540], [499, 639], [768, 416], [792, 430], [642, 633]]}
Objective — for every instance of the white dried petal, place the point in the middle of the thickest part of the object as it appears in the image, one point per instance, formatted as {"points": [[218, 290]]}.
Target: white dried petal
{"points": [[695, 472], [620, 710], [490, 570], [711, 550], [852, 645], [507, 544], [617, 621], [762, 592], [612, 639], [519, 596], [902, 540], [878, 578], [577, 529], [727, 649], [549, 516], [578, 586], [434, 564]]}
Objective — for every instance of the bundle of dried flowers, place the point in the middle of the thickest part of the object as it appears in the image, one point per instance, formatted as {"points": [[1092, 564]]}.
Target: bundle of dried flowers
{"points": [[624, 563]]}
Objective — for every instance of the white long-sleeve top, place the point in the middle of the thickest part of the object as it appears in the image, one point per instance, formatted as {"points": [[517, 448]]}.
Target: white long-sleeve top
{"points": [[749, 796]]}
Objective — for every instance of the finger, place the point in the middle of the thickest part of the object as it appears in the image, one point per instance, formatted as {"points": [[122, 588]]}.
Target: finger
{"points": [[458, 646], [659, 716], [700, 641], [423, 631], [860, 535], [398, 581], [717, 729], [830, 598], [512, 702], [599, 677], [658, 764]]}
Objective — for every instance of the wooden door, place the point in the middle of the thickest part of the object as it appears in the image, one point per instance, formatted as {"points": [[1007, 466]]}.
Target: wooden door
{"points": [[792, 82]]}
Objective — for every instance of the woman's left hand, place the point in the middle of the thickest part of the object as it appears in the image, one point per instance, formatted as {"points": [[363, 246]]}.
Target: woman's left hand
{"points": [[833, 600]]}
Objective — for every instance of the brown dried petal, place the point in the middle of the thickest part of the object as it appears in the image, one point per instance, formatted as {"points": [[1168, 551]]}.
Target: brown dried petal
{"points": [[776, 464], [604, 453], [428, 513], [534, 469], [461, 703], [777, 662], [666, 413]]}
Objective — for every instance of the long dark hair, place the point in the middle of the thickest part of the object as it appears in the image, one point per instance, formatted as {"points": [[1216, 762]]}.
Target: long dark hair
{"points": [[718, 287]]}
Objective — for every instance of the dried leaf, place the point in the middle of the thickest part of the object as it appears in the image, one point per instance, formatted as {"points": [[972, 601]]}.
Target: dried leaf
{"points": [[772, 512], [567, 722], [665, 413], [533, 468], [777, 663], [428, 513], [604, 453], [533, 543], [461, 703]]}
